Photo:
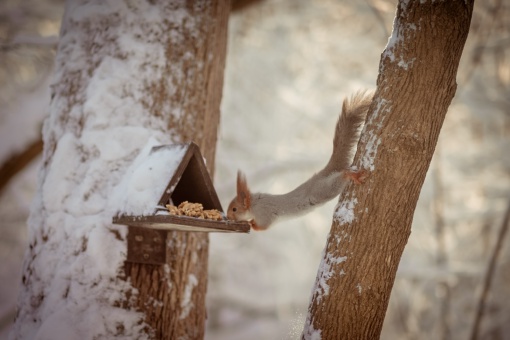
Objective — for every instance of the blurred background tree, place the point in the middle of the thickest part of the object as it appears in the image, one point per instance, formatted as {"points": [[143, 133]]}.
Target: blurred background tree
{"points": [[283, 89]]}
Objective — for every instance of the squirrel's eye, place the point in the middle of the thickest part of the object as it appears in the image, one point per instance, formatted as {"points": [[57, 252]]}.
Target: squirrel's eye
{"points": [[234, 209]]}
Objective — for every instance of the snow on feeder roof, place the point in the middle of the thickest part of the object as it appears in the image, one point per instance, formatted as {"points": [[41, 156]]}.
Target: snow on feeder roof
{"points": [[168, 174]]}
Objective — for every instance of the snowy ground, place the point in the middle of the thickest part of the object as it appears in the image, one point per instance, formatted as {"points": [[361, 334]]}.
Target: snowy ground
{"points": [[289, 66]]}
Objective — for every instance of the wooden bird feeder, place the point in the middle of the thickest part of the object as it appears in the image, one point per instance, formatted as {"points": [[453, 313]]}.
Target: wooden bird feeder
{"points": [[189, 181]]}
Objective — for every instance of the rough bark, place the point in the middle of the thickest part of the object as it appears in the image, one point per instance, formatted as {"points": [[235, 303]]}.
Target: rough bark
{"points": [[186, 269], [106, 87], [416, 83]]}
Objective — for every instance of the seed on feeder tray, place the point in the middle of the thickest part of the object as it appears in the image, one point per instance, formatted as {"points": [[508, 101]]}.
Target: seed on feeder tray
{"points": [[194, 210]]}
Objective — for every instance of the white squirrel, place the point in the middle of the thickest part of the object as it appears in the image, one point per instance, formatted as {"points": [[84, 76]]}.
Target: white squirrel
{"points": [[262, 210]]}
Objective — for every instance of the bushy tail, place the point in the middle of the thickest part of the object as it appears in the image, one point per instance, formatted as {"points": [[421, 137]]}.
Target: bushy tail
{"points": [[348, 128]]}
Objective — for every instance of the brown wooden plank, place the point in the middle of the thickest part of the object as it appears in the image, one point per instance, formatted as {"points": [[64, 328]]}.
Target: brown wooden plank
{"points": [[146, 245], [183, 223]]}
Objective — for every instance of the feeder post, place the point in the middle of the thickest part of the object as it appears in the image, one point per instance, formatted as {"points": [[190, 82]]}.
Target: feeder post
{"points": [[198, 98]]}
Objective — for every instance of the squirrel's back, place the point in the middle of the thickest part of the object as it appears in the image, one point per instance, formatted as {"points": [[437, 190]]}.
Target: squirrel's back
{"points": [[347, 132]]}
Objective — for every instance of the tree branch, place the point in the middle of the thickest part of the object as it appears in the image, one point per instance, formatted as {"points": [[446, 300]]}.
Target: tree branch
{"points": [[18, 162], [489, 275]]}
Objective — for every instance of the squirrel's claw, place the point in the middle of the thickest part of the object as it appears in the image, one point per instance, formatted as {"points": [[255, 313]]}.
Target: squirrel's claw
{"points": [[358, 177]]}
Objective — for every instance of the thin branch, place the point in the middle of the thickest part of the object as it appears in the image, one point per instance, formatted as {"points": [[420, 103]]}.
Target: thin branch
{"points": [[489, 275], [22, 39], [30, 40], [483, 39], [18, 162], [442, 252], [7, 319], [238, 5]]}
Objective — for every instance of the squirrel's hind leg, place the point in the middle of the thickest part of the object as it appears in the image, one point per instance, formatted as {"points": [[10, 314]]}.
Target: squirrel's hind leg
{"points": [[358, 177]]}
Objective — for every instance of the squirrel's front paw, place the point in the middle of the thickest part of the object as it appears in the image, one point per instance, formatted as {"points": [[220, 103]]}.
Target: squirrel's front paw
{"points": [[256, 227], [358, 177]]}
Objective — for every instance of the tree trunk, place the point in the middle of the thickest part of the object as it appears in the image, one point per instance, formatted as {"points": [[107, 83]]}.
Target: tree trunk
{"points": [[128, 75], [187, 259], [372, 221]]}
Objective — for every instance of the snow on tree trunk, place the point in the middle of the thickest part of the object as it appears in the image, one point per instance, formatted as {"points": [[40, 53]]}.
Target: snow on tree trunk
{"points": [[372, 221], [129, 75]]}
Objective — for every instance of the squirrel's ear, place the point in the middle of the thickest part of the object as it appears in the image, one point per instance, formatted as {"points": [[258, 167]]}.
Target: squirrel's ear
{"points": [[243, 193]]}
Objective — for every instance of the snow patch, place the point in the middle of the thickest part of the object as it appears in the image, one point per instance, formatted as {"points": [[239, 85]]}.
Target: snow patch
{"points": [[103, 248], [344, 211], [325, 273], [186, 304], [406, 64], [309, 332], [146, 179], [367, 160], [405, 3], [344, 236], [398, 34], [167, 270], [321, 289], [393, 40], [59, 326], [371, 134]]}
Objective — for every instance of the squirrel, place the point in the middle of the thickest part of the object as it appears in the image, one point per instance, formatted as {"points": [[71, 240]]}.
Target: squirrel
{"points": [[261, 210]]}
